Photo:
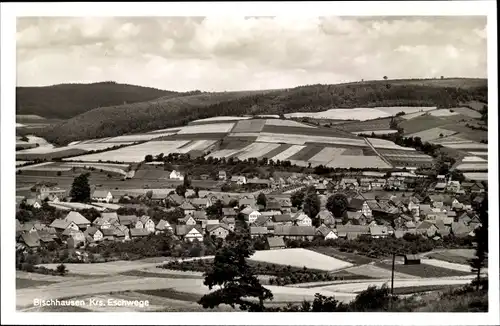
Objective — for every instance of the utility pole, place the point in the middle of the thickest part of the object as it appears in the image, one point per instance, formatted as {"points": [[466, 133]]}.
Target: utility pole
{"points": [[392, 278]]}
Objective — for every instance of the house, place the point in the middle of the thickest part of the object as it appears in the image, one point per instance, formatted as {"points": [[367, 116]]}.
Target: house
{"points": [[158, 197], [62, 224], [257, 231], [274, 205], [78, 219], [410, 225], [247, 202], [426, 228], [128, 220], [30, 240], [295, 232], [106, 220], [326, 233], [283, 219], [349, 184], [378, 231], [187, 208], [102, 196], [175, 199], [188, 220], [229, 212], [74, 238], [51, 193], [201, 202], [442, 229], [321, 188], [199, 216], [301, 219], [229, 221], [378, 184], [138, 233], [275, 243], [453, 186], [357, 218], [176, 175], [239, 179], [323, 215], [34, 202], [411, 260], [365, 184], [257, 181], [189, 232], [360, 205], [286, 205], [222, 175], [163, 227], [477, 188], [220, 231], [264, 221], [94, 233], [352, 232], [459, 229], [147, 223]]}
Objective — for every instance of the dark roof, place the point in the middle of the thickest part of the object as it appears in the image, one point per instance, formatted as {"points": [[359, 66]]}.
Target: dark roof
{"points": [[184, 229], [261, 220], [212, 227], [228, 211], [356, 203], [200, 215], [412, 257], [139, 232], [275, 242], [176, 198], [186, 205], [353, 228], [31, 239], [323, 230], [273, 204], [258, 181], [285, 230], [228, 220], [162, 225], [324, 214], [91, 231], [60, 223], [127, 219], [282, 218], [424, 225]]}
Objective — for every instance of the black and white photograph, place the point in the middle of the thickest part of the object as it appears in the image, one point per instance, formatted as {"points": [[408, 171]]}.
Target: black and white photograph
{"points": [[275, 163]]}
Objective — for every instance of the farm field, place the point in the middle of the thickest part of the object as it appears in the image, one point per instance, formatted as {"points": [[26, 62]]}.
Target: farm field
{"points": [[456, 268], [458, 256], [469, 159], [217, 119], [22, 283], [345, 161], [253, 125], [478, 176], [345, 256], [484, 154], [443, 113], [374, 271], [431, 134], [421, 123], [256, 150], [281, 152], [297, 139], [326, 155], [472, 167], [468, 112], [386, 144], [134, 153], [298, 257], [49, 155], [423, 270], [361, 114], [376, 132], [305, 153], [206, 128], [195, 145], [286, 123]]}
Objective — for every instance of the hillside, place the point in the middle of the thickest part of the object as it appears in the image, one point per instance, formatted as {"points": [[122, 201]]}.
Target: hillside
{"points": [[163, 113], [65, 101]]}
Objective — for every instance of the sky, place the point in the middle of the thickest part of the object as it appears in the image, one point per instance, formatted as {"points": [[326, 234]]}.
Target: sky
{"points": [[244, 53]]}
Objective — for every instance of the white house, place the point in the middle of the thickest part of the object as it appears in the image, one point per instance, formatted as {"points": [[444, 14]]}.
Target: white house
{"points": [[176, 175], [239, 179], [253, 216], [94, 233], [193, 234], [147, 223], [301, 219], [102, 196]]}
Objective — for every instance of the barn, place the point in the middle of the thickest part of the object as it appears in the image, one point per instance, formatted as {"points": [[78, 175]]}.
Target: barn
{"points": [[412, 260]]}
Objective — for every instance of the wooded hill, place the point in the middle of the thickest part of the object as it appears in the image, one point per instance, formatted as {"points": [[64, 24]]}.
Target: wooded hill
{"points": [[176, 111]]}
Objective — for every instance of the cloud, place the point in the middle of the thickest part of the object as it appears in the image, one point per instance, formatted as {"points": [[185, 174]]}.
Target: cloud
{"points": [[231, 53]]}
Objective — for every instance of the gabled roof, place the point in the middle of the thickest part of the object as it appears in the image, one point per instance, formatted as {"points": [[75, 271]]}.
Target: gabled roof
{"points": [[323, 230], [176, 199], [275, 242], [228, 220], [285, 230], [354, 215], [424, 225], [92, 230], [247, 210], [459, 228], [19, 226], [127, 219], [324, 214], [356, 203], [182, 230], [77, 218], [199, 201], [258, 230], [410, 225], [200, 215], [285, 202], [273, 204], [186, 205], [100, 193], [60, 223], [246, 202], [282, 218], [138, 232], [110, 217], [213, 227], [163, 225], [261, 220], [31, 239]]}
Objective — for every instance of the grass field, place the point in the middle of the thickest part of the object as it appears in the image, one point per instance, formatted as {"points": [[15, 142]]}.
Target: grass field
{"points": [[458, 256], [298, 257], [479, 176], [254, 125], [361, 114], [206, 128], [22, 283], [432, 133], [285, 123], [135, 153], [345, 161], [422, 270], [49, 155], [345, 256]]}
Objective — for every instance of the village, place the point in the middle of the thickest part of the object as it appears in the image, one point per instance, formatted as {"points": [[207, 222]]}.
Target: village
{"points": [[375, 206]]}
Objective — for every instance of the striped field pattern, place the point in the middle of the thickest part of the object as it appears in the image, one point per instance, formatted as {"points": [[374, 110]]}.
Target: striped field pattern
{"points": [[288, 153]]}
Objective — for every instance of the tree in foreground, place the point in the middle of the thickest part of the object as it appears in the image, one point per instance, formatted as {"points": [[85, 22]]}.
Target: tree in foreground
{"points": [[233, 278], [337, 204], [297, 198], [312, 205], [261, 199], [181, 190], [80, 189], [481, 239], [61, 269]]}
